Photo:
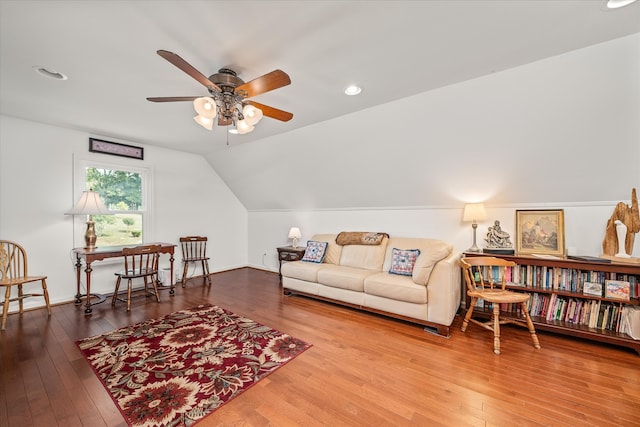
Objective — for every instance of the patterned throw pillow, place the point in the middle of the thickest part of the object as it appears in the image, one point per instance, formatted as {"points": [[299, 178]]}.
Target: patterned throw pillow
{"points": [[315, 251], [403, 260]]}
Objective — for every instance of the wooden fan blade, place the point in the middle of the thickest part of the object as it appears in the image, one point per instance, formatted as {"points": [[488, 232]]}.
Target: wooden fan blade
{"points": [[188, 68], [274, 113], [173, 98], [273, 80]]}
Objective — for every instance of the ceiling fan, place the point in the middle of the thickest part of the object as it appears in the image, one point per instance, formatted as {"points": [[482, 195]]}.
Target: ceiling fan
{"points": [[228, 96]]}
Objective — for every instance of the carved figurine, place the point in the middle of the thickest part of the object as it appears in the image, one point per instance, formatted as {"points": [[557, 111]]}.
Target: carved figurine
{"points": [[630, 217], [496, 238]]}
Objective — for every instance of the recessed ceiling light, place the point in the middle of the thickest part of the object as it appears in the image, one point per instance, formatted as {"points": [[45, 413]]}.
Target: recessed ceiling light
{"points": [[616, 4], [49, 72], [352, 90]]}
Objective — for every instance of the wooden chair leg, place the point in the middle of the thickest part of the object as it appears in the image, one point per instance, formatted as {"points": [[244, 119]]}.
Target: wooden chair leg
{"points": [[496, 328], [205, 271], [465, 322], [5, 307], [115, 292], [154, 283], [532, 330], [129, 295], [45, 293], [184, 274], [20, 298]]}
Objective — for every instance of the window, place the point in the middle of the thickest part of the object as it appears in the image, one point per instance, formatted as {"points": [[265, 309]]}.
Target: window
{"points": [[124, 191]]}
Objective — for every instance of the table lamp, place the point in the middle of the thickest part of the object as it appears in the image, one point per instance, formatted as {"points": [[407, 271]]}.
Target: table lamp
{"points": [[89, 204], [294, 233], [474, 212]]}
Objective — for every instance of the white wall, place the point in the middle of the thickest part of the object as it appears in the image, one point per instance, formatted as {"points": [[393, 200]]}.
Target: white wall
{"points": [[584, 226], [561, 133], [561, 130], [36, 189]]}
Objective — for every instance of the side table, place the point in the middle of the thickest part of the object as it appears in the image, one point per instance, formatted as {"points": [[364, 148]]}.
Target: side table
{"points": [[289, 253]]}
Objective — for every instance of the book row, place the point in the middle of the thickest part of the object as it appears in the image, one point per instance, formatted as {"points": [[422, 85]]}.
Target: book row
{"points": [[568, 279], [592, 313], [595, 314]]}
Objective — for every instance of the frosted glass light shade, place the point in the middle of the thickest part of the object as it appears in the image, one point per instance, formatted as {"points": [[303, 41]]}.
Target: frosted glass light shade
{"points": [[203, 121], [206, 107], [252, 115], [243, 127]]}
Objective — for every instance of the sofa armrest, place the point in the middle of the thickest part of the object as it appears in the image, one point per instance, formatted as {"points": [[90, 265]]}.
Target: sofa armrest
{"points": [[444, 290]]}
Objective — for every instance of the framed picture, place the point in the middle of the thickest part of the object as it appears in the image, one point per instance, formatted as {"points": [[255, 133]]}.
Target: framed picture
{"points": [[116, 149], [617, 289], [592, 288], [540, 232]]}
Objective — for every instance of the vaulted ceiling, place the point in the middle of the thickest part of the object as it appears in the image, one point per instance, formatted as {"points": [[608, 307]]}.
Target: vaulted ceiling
{"points": [[393, 49]]}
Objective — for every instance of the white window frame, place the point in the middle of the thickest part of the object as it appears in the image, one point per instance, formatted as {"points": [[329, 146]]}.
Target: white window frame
{"points": [[81, 164]]}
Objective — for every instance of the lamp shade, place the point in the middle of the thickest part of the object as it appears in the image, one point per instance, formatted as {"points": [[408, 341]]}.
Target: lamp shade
{"points": [[474, 212], [90, 203], [205, 107], [294, 233]]}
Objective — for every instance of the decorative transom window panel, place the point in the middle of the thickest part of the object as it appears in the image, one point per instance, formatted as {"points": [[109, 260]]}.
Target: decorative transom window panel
{"points": [[124, 190]]}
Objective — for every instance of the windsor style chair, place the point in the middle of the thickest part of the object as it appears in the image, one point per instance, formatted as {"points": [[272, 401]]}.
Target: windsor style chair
{"points": [[194, 250], [14, 272], [139, 262], [486, 279]]}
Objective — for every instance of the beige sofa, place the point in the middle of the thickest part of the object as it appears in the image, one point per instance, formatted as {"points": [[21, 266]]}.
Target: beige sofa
{"points": [[358, 276]]}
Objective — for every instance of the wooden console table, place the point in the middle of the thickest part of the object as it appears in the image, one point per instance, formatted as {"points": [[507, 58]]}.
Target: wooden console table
{"points": [[103, 252]]}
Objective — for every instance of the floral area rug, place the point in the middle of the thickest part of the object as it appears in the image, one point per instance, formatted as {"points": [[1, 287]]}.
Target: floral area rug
{"points": [[175, 370]]}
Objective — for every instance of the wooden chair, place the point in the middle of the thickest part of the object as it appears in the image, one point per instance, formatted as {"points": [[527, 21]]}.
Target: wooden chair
{"points": [[194, 249], [139, 261], [13, 272], [486, 278]]}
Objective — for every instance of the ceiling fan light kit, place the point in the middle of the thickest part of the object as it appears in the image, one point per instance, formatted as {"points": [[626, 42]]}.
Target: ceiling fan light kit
{"points": [[228, 97]]}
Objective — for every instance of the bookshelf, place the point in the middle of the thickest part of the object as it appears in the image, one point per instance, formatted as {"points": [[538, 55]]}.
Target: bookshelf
{"points": [[558, 303]]}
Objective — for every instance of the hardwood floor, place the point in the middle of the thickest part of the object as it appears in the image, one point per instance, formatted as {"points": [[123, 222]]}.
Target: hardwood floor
{"points": [[363, 369]]}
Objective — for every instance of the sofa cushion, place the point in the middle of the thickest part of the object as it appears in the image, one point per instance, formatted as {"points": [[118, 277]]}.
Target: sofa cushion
{"points": [[403, 260], [431, 251], [364, 256], [301, 270], [343, 277], [334, 250], [427, 260], [396, 287], [315, 251]]}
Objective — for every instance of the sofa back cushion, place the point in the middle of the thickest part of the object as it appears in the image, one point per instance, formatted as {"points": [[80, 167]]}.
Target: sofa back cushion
{"points": [[431, 251], [333, 251], [369, 257]]}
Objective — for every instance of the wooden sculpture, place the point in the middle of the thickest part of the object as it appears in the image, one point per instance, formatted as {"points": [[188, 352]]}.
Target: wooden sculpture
{"points": [[630, 217]]}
